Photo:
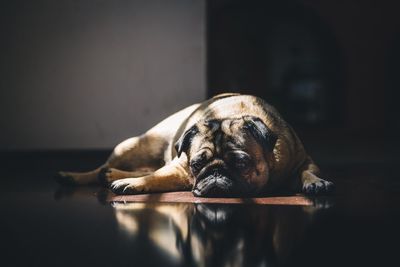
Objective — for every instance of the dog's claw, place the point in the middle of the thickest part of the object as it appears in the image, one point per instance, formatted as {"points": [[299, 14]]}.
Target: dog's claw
{"points": [[121, 187], [318, 187], [128, 190], [116, 188]]}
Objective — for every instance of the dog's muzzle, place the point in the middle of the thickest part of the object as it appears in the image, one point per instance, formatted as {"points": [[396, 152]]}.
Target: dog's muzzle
{"points": [[215, 183]]}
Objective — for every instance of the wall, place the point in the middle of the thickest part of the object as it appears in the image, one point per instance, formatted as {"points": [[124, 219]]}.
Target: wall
{"points": [[87, 74], [366, 32]]}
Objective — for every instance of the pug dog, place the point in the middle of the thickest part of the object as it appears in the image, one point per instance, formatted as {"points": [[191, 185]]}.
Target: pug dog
{"points": [[230, 145]]}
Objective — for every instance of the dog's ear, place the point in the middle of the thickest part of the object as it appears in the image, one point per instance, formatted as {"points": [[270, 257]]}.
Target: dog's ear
{"points": [[260, 132], [183, 143]]}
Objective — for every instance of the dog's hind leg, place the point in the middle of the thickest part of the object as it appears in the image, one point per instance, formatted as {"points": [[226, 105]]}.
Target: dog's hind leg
{"points": [[146, 152], [140, 155], [78, 178]]}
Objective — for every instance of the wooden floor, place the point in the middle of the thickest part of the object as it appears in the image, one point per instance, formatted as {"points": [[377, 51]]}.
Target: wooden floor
{"points": [[187, 197]]}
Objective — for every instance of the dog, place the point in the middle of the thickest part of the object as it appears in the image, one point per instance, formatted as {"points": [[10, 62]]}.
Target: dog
{"points": [[229, 145]]}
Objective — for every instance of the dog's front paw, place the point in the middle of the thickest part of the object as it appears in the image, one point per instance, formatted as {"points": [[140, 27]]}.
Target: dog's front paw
{"points": [[128, 186], [317, 186]]}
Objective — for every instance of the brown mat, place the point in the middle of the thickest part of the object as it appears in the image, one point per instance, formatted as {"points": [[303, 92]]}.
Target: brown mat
{"points": [[187, 197]]}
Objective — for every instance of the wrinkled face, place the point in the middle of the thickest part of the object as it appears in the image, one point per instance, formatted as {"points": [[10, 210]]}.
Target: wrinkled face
{"points": [[228, 157]]}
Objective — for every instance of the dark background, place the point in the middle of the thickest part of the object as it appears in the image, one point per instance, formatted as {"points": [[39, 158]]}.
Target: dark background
{"points": [[84, 75]]}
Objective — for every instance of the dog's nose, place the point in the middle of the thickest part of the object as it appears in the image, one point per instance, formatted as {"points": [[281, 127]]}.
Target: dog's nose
{"points": [[217, 173], [215, 183]]}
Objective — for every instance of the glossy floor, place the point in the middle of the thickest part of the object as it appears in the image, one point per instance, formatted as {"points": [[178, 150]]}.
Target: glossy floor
{"points": [[44, 224]]}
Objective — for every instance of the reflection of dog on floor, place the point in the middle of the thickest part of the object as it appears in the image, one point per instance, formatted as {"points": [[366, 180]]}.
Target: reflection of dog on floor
{"points": [[229, 145], [217, 234]]}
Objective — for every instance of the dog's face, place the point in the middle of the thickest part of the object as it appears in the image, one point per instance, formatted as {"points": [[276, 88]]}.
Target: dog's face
{"points": [[228, 157]]}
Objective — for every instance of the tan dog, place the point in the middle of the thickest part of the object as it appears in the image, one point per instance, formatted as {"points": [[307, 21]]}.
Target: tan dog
{"points": [[229, 145]]}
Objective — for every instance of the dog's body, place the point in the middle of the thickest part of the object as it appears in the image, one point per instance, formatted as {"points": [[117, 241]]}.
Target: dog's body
{"points": [[228, 145]]}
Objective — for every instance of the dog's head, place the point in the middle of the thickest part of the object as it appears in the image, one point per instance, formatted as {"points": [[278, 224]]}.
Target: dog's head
{"points": [[228, 157]]}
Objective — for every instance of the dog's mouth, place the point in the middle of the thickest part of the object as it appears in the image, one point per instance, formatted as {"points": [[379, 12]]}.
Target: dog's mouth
{"points": [[214, 184]]}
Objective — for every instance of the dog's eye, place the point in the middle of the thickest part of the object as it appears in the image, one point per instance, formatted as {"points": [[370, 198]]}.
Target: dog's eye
{"points": [[242, 162], [196, 165]]}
